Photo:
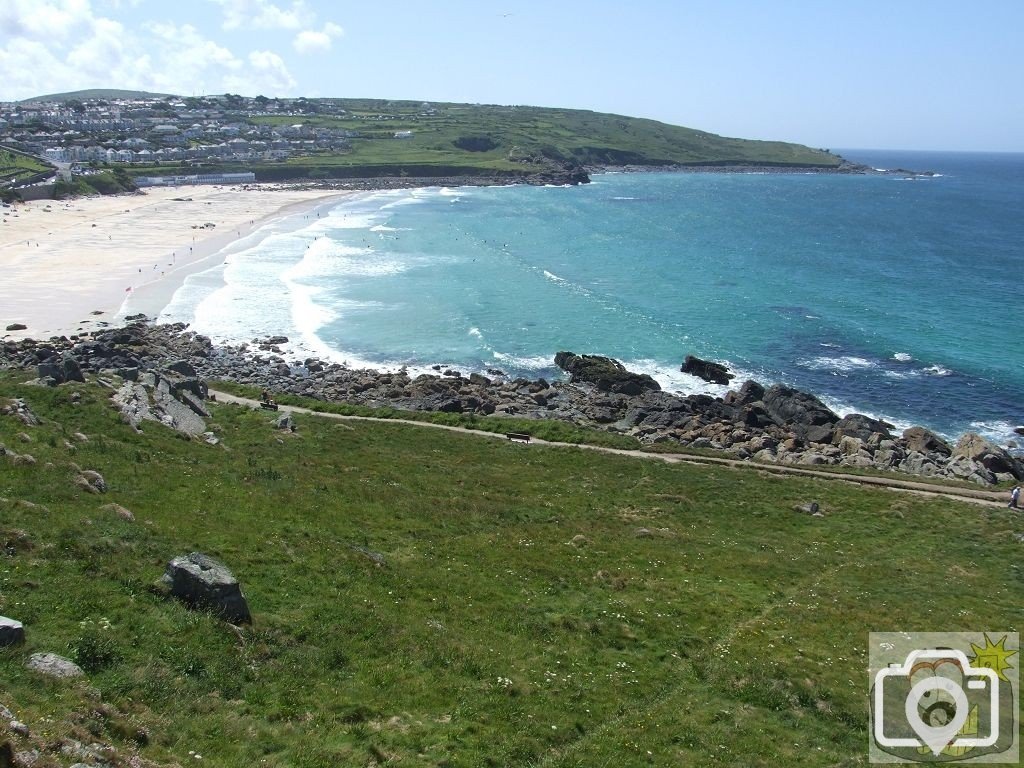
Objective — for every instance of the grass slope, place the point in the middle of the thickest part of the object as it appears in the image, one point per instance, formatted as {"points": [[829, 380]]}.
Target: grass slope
{"points": [[733, 632], [16, 166]]}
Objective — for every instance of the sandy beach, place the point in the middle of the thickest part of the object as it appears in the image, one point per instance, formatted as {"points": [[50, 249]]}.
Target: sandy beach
{"points": [[69, 265]]}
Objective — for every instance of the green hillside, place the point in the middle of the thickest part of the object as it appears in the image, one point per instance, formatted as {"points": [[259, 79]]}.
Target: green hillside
{"points": [[503, 138], [95, 93], [17, 166], [535, 606]]}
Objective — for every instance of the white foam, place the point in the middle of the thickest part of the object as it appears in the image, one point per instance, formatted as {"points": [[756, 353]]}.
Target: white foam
{"points": [[537, 363], [937, 370], [475, 332], [903, 357], [411, 200], [327, 258], [384, 228], [625, 198], [999, 432], [841, 364], [845, 409], [553, 277]]}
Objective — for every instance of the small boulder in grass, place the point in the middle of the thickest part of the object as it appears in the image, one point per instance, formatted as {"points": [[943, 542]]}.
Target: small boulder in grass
{"points": [[203, 582], [11, 632], [121, 512], [91, 481], [52, 665]]}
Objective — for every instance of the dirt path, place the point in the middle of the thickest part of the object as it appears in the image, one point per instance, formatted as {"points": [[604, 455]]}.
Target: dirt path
{"points": [[970, 495]]}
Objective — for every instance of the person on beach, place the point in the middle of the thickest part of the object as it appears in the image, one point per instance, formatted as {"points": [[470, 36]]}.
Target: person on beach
{"points": [[1014, 497]]}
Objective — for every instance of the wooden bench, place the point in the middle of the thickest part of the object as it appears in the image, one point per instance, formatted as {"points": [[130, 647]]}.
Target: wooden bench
{"points": [[271, 406], [518, 436]]}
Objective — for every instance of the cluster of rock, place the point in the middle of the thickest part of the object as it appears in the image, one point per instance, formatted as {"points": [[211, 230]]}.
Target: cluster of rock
{"points": [[777, 424]]}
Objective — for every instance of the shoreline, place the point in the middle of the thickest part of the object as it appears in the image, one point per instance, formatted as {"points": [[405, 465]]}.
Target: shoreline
{"points": [[153, 297], [752, 422], [69, 264]]}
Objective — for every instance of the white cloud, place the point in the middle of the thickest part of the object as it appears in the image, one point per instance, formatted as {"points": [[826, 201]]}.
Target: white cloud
{"points": [[317, 41], [262, 14], [65, 45]]}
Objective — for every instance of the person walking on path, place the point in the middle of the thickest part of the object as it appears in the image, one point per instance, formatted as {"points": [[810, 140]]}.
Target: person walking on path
{"points": [[1014, 497]]}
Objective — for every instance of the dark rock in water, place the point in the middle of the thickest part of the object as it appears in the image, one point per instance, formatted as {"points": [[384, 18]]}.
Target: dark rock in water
{"points": [[272, 341], [134, 318], [925, 441], [860, 426], [716, 373], [805, 414], [17, 327], [609, 375], [201, 581], [1019, 430], [11, 632]]}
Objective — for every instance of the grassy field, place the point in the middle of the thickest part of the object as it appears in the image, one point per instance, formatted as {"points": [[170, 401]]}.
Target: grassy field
{"points": [[539, 606], [15, 167]]}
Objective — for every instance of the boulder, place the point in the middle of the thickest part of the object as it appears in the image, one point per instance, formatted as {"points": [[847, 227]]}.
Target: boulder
{"points": [[925, 441], [11, 632], [993, 458], [801, 412], [607, 374], [861, 427], [203, 582], [184, 367], [715, 373], [749, 393], [70, 369], [52, 665], [17, 327]]}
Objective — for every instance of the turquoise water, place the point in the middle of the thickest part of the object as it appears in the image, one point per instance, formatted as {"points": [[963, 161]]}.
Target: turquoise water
{"points": [[888, 296]]}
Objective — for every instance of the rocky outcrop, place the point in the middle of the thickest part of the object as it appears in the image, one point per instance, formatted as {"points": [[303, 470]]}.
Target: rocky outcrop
{"points": [[715, 373], [925, 441], [607, 374], [163, 368], [976, 449], [808, 417], [203, 582]]}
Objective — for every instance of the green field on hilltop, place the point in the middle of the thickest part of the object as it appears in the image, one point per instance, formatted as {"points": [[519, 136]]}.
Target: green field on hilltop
{"points": [[538, 606]]}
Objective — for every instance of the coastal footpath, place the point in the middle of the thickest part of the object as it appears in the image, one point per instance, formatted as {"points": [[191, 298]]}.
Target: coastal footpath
{"points": [[773, 424]]}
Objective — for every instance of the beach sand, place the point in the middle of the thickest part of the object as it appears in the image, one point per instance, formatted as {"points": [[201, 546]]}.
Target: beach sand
{"points": [[66, 266]]}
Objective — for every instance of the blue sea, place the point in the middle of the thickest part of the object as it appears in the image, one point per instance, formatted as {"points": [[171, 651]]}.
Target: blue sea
{"points": [[896, 296]]}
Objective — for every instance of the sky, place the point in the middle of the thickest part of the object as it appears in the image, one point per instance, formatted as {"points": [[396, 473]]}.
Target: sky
{"points": [[899, 74]]}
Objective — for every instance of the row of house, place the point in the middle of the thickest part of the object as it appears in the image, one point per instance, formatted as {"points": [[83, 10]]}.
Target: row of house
{"points": [[161, 130]]}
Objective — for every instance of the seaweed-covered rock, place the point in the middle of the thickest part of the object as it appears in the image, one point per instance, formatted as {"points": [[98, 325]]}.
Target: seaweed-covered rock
{"points": [[609, 375], [715, 373]]}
